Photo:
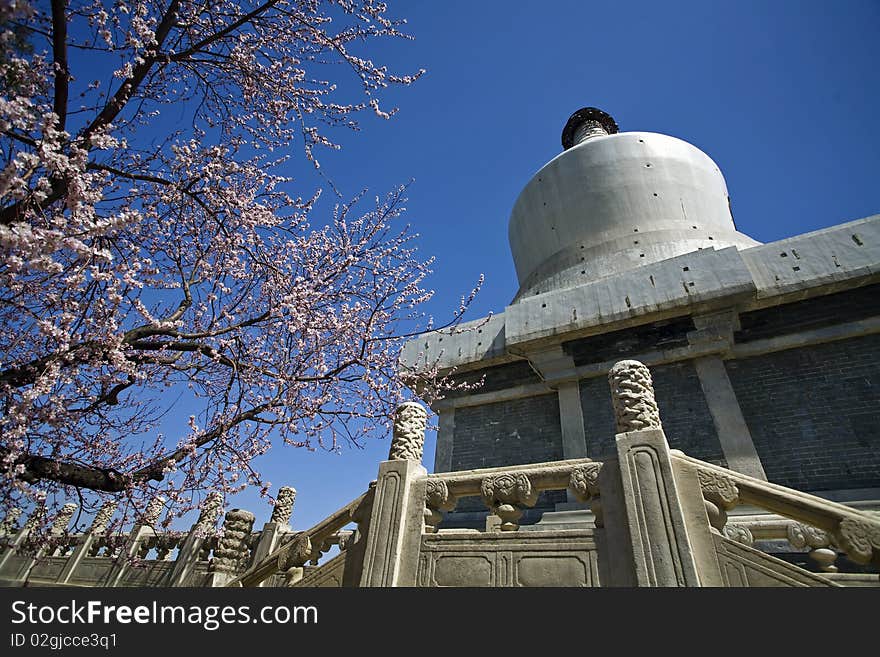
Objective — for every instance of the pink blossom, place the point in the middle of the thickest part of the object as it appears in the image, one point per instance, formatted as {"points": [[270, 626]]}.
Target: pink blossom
{"points": [[139, 262]]}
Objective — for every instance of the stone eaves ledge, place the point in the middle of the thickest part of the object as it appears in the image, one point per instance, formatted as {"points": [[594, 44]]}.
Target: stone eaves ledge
{"points": [[812, 264]]}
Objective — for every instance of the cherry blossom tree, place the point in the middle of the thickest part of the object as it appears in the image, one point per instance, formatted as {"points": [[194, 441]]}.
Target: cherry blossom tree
{"points": [[151, 250]]}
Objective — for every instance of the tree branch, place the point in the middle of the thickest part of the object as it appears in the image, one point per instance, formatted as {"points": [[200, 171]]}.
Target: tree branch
{"points": [[221, 33], [70, 473], [125, 174], [114, 106], [109, 480], [59, 54]]}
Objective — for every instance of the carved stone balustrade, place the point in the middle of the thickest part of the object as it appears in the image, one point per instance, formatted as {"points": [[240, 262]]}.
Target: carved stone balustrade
{"points": [[300, 548], [505, 490], [854, 532]]}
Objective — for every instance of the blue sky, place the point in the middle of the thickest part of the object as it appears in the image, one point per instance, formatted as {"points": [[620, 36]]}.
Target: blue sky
{"points": [[783, 95]]}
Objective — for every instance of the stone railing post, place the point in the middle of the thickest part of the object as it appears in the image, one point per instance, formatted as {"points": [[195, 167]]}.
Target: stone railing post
{"points": [[9, 526], [15, 538], [644, 519], [395, 530], [191, 549], [277, 526], [84, 548], [231, 553], [143, 529], [53, 546], [8, 533], [59, 528]]}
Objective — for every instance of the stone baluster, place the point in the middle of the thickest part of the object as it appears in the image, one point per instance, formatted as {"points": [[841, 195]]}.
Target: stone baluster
{"points": [[35, 519], [819, 543], [165, 544], [9, 526], [345, 540], [231, 554], [437, 499], [57, 532], [62, 519], [397, 514], [506, 495], [9, 534], [739, 533], [859, 538], [209, 513], [197, 541], [584, 485], [55, 544], [408, 439], [102, 517], [720, 495], [13, 570], [90, 543], [294, 557], [138, 541]]}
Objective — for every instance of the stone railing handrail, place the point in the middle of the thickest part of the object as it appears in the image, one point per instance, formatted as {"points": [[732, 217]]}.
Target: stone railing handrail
{"points": [[552, 475], [507, 490], [301, 548], [855, 532]]}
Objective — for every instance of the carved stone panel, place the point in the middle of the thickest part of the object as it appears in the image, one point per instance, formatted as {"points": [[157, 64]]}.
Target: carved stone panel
{"points": [[327, 575], [743, 566], [551, 558], [464, 570], [557, 570]]}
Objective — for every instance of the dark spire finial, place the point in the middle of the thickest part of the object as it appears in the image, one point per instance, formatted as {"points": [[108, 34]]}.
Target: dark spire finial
{"points": [[585, 123]]}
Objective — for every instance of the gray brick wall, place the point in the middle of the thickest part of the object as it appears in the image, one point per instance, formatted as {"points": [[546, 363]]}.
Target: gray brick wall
{"points": [[617, 345], [598, 416], [827, 310], [683, 411], [508, 433], [498, 377], [813, 413]]}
